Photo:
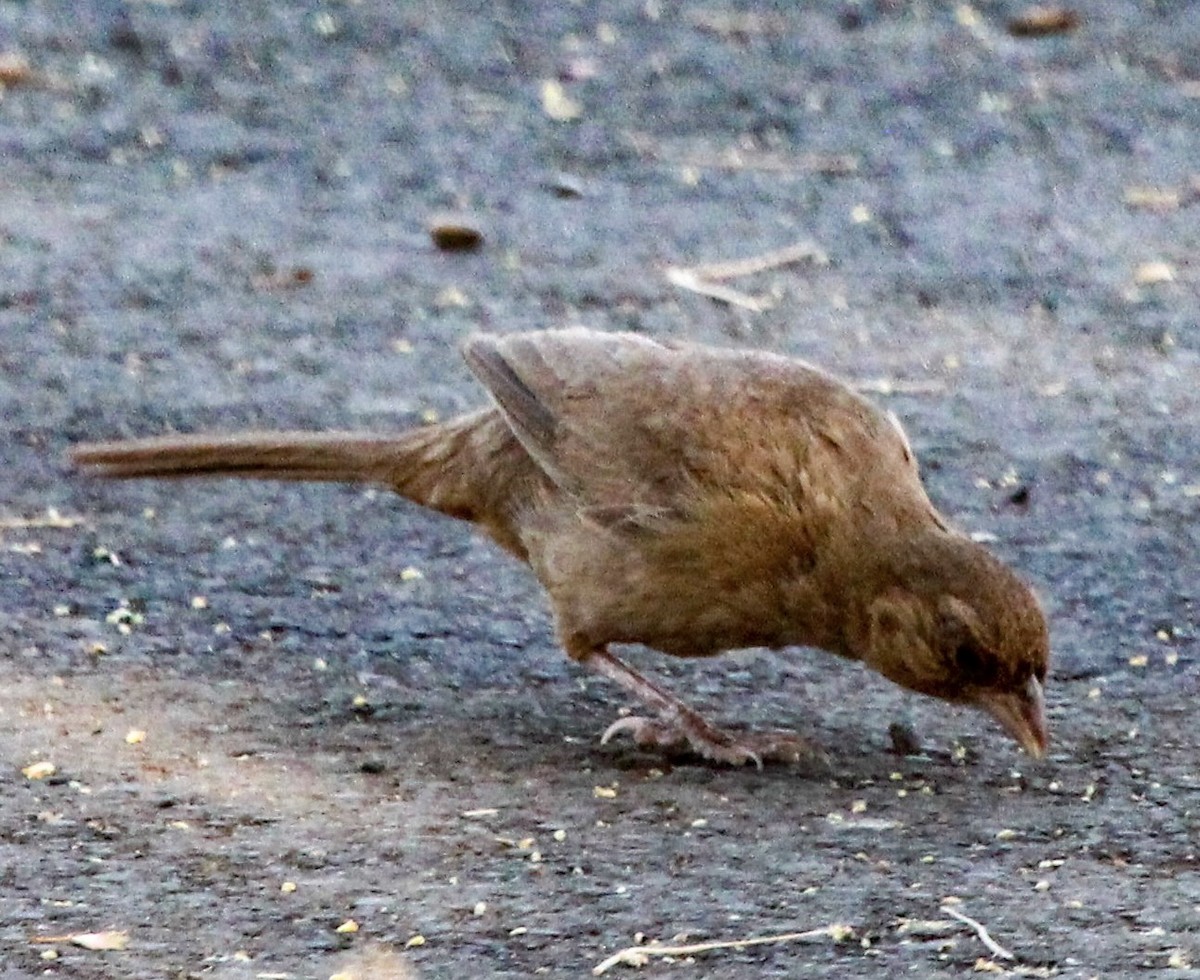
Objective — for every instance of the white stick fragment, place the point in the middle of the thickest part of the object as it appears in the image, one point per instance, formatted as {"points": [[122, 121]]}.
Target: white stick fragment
{"points": [[113, 939], [687, 279], [706, 279], [640, 955], [736, 268], [52, 519], [897, 386], [484, 811], [981, 931]]}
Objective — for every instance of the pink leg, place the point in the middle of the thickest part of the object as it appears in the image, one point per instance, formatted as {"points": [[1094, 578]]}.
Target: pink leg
{"points": [[679, 727]]}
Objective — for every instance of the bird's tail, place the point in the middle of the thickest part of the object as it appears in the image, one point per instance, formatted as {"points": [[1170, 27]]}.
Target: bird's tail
{"points": [[336, 456], [465, 467]]}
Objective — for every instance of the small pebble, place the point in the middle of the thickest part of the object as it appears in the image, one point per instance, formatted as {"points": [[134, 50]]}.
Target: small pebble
{"points": [[455, 232]]}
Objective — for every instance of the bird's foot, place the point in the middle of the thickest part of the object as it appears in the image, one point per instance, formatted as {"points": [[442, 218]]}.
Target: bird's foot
{"points": [[692, 733], [679, 728]]}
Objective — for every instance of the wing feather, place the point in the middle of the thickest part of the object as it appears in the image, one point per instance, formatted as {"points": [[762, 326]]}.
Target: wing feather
{"points": [[626, 424]]}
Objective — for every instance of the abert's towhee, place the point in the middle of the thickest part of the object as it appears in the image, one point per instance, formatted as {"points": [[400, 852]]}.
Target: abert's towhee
{"points": [[694, 500]]}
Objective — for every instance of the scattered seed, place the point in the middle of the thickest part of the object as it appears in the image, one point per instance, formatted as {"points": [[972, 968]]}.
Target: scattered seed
{"points": [[1153, 273], [39, 770], [14, 69], [557, 104], [1152, 198], [1043, 22]]}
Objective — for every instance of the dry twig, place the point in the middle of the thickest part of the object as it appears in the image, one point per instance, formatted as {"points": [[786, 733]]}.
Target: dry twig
{"points": [[706, 279], [739, 159], [800, 252], [897, 386], [831, 164], [640, 955], [687, 279], [981, 931], [52, 519]]}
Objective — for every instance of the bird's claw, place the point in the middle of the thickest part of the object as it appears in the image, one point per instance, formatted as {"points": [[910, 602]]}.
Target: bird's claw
{"points": [[654, 733], [693, 733]]}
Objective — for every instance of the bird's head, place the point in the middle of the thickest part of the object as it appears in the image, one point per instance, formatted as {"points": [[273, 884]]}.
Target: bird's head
{"points": [[957, 624]]}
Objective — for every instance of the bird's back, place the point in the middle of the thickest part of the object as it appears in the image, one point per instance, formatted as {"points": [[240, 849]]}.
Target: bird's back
{"points": [[735, 483], [620, 420]]}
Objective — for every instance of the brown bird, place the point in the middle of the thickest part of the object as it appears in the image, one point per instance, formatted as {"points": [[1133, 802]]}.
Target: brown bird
{"points": [[694, 500]]}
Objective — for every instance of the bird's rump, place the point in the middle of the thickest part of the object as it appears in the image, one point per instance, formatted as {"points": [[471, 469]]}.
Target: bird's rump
{"points": [[695, 500]]}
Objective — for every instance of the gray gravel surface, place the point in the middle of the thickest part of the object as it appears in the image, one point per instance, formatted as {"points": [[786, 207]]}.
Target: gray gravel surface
{"points": [[215, 216]]}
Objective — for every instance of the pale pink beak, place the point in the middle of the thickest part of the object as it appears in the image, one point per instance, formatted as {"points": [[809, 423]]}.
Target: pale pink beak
{"points": [[1020, 713]]}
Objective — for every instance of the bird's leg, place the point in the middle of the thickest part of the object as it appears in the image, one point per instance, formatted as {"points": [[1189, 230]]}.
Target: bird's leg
{"points": [[679, 727]]}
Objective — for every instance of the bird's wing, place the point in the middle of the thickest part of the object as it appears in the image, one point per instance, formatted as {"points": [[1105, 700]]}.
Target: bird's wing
{"points": [[628, 425]]}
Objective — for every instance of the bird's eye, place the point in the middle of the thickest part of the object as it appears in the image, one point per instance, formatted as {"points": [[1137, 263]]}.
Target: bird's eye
{"points": [[975, 665]]}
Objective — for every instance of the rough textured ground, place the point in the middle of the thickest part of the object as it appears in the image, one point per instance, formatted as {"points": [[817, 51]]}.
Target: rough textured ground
{"points": [[214, 216]]}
